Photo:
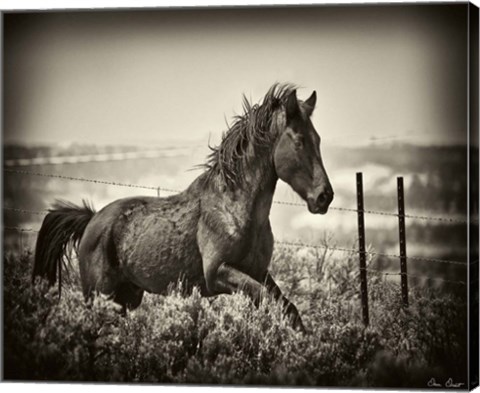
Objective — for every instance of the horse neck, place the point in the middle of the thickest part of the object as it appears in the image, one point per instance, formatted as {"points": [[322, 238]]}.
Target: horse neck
{"points": [[259, 182], [260, 177]]}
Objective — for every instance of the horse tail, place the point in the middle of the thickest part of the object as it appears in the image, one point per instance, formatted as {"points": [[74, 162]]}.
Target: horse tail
{"points": [[61, 230]]}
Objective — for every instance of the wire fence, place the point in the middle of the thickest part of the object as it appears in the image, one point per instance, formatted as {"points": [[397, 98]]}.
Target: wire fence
{"points": [[169, 190], [283, 243], [372, 253], [291, 244], [314, 246]]}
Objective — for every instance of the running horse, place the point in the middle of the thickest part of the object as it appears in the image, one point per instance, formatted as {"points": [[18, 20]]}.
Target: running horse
{"points": [[216, 234]]}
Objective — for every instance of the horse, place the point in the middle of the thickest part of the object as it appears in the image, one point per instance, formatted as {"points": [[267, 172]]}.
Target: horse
{"points": [[216, 234]]}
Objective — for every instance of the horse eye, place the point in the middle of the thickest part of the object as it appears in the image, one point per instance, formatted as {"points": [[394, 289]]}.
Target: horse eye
{"points": [[298, 143]]}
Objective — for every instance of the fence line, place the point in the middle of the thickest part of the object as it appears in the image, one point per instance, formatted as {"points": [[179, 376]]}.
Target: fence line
{"points": [[349, 250], [373, 253], [158, 189], [362, 252], [375, 271], [96, 181], [383, 213], [287, 243], [424, 259]]}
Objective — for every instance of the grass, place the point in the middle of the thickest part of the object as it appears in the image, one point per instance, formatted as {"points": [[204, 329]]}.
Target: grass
{"points": [[184, 338]]}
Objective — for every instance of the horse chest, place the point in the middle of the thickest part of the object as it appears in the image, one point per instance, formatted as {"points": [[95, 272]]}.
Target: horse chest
{"points": [[259, 252], [241, 230]]}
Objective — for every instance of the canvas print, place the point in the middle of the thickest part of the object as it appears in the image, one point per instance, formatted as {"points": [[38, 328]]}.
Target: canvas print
{"points": [[242, 196]]}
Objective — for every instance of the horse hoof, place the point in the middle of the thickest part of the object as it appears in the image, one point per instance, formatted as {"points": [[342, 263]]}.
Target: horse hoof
{"points": [[300, 328]]}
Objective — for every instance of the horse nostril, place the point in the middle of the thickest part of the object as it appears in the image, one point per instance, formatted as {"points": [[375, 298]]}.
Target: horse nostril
{"points": [[322, 199]]}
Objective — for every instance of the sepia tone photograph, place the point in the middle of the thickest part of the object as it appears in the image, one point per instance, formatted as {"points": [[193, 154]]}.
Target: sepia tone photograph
{"points": [[249, 196]]}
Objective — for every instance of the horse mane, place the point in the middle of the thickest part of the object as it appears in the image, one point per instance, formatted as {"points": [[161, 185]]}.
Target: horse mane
{"points": [[227, 160]]}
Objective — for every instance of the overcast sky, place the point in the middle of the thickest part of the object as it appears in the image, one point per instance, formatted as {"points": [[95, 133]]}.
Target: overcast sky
{"points": [[158, 76]]}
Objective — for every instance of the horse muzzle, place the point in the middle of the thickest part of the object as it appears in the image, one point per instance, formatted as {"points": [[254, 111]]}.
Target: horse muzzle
{"points": [[319, 203]]}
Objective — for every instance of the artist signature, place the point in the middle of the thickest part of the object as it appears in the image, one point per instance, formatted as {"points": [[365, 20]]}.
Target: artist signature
{"points": [[448, 384]]}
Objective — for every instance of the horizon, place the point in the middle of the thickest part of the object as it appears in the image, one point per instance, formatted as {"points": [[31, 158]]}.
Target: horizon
{"points": [[145, 76], [183, 143]]}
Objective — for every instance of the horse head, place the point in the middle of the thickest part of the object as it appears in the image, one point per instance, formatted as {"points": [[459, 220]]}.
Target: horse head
{"points": [[297, 157]]}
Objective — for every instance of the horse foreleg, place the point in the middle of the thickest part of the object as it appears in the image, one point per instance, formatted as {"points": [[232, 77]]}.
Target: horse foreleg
{"points": [[221, 277], [288, 306], [227, 279]]}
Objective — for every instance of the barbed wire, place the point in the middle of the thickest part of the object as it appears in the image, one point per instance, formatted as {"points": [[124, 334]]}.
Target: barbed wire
{"points": [[381, 272], [376, 271], [299, 244], [96, 181], [307, 245], [424, 259], [158, 189], [383, 213], [373, 253]]}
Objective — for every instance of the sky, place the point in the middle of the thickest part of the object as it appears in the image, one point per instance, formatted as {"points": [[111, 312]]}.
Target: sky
{"points": [[156, 76]]}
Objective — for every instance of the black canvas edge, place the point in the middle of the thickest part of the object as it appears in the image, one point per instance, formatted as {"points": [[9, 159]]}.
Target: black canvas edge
{"points": [[473, 195], [2, 194]]}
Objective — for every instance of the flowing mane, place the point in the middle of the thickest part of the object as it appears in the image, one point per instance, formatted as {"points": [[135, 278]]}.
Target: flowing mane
{"points": [[226, 161]]}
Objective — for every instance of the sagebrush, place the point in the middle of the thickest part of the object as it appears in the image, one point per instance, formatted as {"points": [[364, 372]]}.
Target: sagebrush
{"points": [[184, 338]]}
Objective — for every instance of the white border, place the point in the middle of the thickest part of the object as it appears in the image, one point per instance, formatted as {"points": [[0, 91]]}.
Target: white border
{"points": [[98, 4]]}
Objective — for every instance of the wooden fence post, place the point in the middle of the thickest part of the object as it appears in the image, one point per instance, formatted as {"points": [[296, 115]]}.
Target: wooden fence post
{"points": [[402, 241], [361, 249]]}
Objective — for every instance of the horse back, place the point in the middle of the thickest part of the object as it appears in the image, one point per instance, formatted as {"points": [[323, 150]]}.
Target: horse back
{"points": [[148, 241]]}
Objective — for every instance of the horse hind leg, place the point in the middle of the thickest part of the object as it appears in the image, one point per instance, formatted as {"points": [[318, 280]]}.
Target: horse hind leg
{"points": [[114, 285], [128, 295], [100, 275]]}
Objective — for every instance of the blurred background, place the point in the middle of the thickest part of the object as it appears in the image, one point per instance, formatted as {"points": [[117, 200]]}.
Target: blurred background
{"points": [[135, 97]]}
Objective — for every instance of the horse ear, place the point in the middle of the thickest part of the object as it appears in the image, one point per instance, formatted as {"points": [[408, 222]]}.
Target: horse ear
{"points": [[291, 108], [309, 104]]}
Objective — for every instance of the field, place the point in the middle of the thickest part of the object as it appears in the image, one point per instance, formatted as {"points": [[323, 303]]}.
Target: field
{"points": [[183, 338]]}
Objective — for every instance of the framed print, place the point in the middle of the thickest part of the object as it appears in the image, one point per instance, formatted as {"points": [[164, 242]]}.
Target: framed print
{"points": [[268, 196]]}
